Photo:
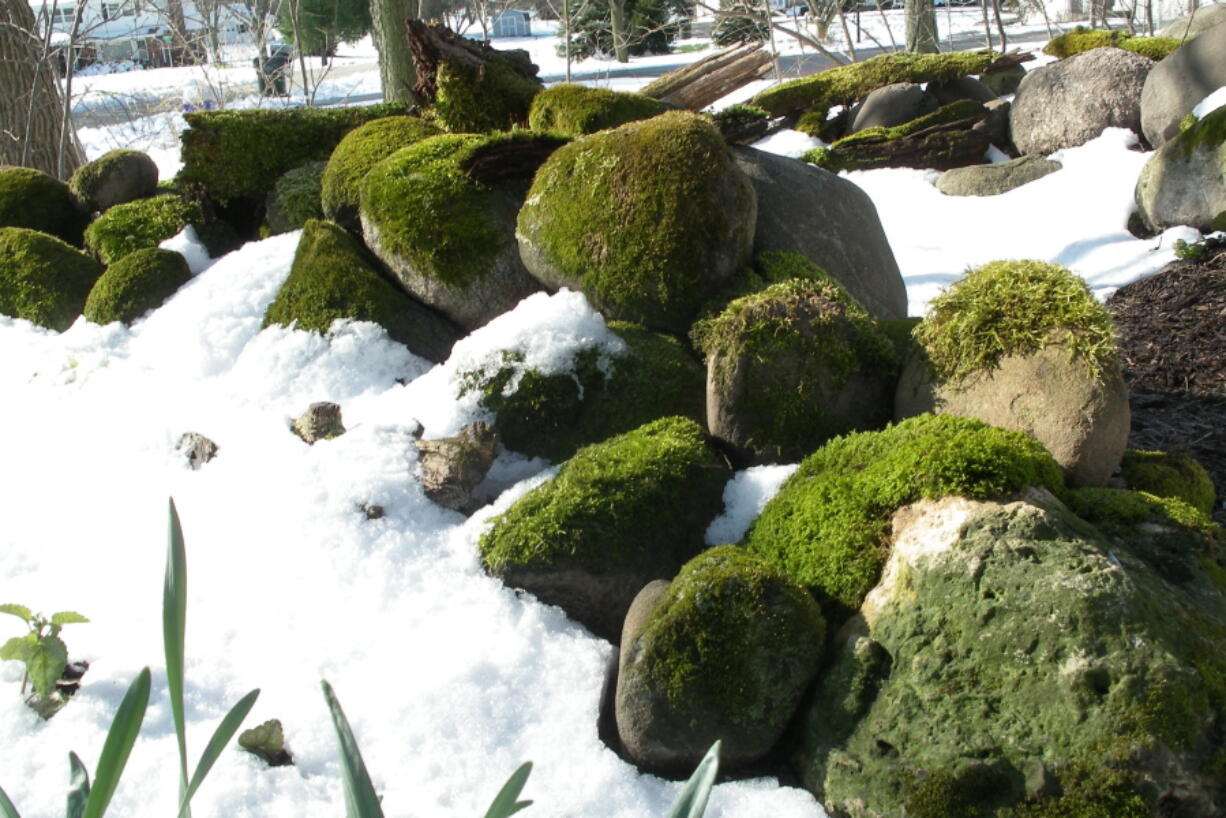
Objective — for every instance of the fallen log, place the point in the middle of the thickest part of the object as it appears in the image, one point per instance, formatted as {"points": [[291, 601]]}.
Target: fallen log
{"points": [[696, 86]]}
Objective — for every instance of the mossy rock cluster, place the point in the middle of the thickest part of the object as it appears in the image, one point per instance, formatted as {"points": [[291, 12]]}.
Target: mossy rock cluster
{"points": [[575, 110], [295, 198], [494, 97], [1083, 39], [137, 225], [552, 416], [31, 199], [1173, 474], [333, 277], [941, 140], [359, 151], [726, 653], [43, 279], [618, 514], [828, 526], [116, 177], [229, 155], [139, 282], [646, 219]]}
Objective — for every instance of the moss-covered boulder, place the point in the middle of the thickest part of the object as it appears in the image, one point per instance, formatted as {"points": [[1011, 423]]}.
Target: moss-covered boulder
{"points": [[1016, 661], [139, 282], [295, 199], [553, 415], [113, 178], [485, 98], [31, 199], [333, 277], [646, 220], [575, 110], [891, 105], [1184, 181], [133, 226], [618, 515], [794, 365], [1174, 474], [43, 279], [231, 154], [360, 150], [448, 238], [1084, 39], [828, 526], [1026, 346], [725, 654]]}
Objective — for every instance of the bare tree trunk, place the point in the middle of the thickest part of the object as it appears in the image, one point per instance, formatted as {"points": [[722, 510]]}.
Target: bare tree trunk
{"points": [[617, 21], [921, 26], [696, 86], [31, 110], [390, 27], [851, 47], [987, 27], [1000, 24]]}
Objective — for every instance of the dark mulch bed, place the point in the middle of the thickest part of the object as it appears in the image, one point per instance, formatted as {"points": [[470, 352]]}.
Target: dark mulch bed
{"points": [[1172, 329]]}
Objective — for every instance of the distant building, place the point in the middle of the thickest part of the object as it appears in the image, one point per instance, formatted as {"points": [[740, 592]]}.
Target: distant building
{"points": [[1068, 11], [511, 23]]}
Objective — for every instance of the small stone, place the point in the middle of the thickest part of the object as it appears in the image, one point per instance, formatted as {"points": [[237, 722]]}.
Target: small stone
{"points": [[372, 511], [321, 421], [452, 467], [197, 448]]}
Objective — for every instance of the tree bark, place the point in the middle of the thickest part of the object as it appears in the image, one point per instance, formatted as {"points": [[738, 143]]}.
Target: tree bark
{"points": [[696, 86], [31, 110], [921, 26], [390, 27], [617, 21], [431, 45]]}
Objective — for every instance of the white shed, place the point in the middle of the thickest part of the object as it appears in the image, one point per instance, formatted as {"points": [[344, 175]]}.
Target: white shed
{"points": [[511, 23]]}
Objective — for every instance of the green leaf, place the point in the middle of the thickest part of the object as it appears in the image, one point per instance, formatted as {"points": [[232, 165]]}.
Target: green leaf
{"points": [[360, 798], [692, 801], [19, 611], [221, 737], [7, 810], [78, 786], [67, 618], [45, 662], [18, 648], [505, 803], [118, 745], [174, 627]]}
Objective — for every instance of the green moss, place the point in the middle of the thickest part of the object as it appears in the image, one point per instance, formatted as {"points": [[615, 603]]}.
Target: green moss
{"points": [[1090, 791], [43, 279], [472, 100], [552, 416], [848, 84], [137, 225], [1082, 39], [828, 525], [974, 792], [1169, 475], [636, 500], [122, 163], [1208, 134], [359, 151], [1014, 308], [953, 112], [139, 282], [235, 154], [575, 110], [332, 278], [295, 198], [732, 636], [1119, 511], [31, 199], [640, 216], [771, 267], [859, 151]]}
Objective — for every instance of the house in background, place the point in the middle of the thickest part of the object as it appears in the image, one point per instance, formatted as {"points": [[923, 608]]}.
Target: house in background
{"points": [[511, 23], [1068, 11]]}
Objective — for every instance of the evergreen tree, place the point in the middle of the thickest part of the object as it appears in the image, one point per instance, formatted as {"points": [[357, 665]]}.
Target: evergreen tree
{"points": [[651, 26], [741, 21], [323, 24]]}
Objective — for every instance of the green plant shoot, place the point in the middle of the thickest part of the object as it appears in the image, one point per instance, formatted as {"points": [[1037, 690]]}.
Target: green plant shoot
{"points": [[507, 802], [692, 801], [41, 650]]}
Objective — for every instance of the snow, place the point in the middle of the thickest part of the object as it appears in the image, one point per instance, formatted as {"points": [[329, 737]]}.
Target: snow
{"points": [[449, 679]]}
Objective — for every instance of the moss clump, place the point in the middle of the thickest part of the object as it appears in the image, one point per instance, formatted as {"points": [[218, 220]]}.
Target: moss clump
{"points": [[771, 267], [1089, 792], [828, 525], [1083, 39], [235, 154], [295, 198], [332, 278], [1208, 134], [113, 178], [644, 219], [495, 97], [139, 282], [848, 84], [31, 199], [43, 279], [574, 110], [940, 149], [1014, 308], [1119, 511], [136, 225], [552, 416], [733, 642], [640, 499], [1169, 475], [359, 151]]}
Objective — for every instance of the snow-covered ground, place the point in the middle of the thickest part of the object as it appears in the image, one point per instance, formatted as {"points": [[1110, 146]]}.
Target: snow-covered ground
{"points": [[450, 679]]}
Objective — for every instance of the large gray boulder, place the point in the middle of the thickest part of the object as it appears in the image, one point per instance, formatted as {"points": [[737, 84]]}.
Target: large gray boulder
{"points": [[1184, 182], [1071, 101], [1179, 82], [828, 220], [993, 180], [1189, 26], [116, 177], [725, 651], [892, 105]]}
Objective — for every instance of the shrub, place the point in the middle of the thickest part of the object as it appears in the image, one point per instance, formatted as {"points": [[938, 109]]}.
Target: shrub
{"points": [[139, 282], [137, 225], [359, 151], [42, 279], [31, 199]]}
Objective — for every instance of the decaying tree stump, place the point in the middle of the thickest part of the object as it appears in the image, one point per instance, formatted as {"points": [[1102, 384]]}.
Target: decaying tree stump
{"points": [[696, 86], [434, 44]]}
